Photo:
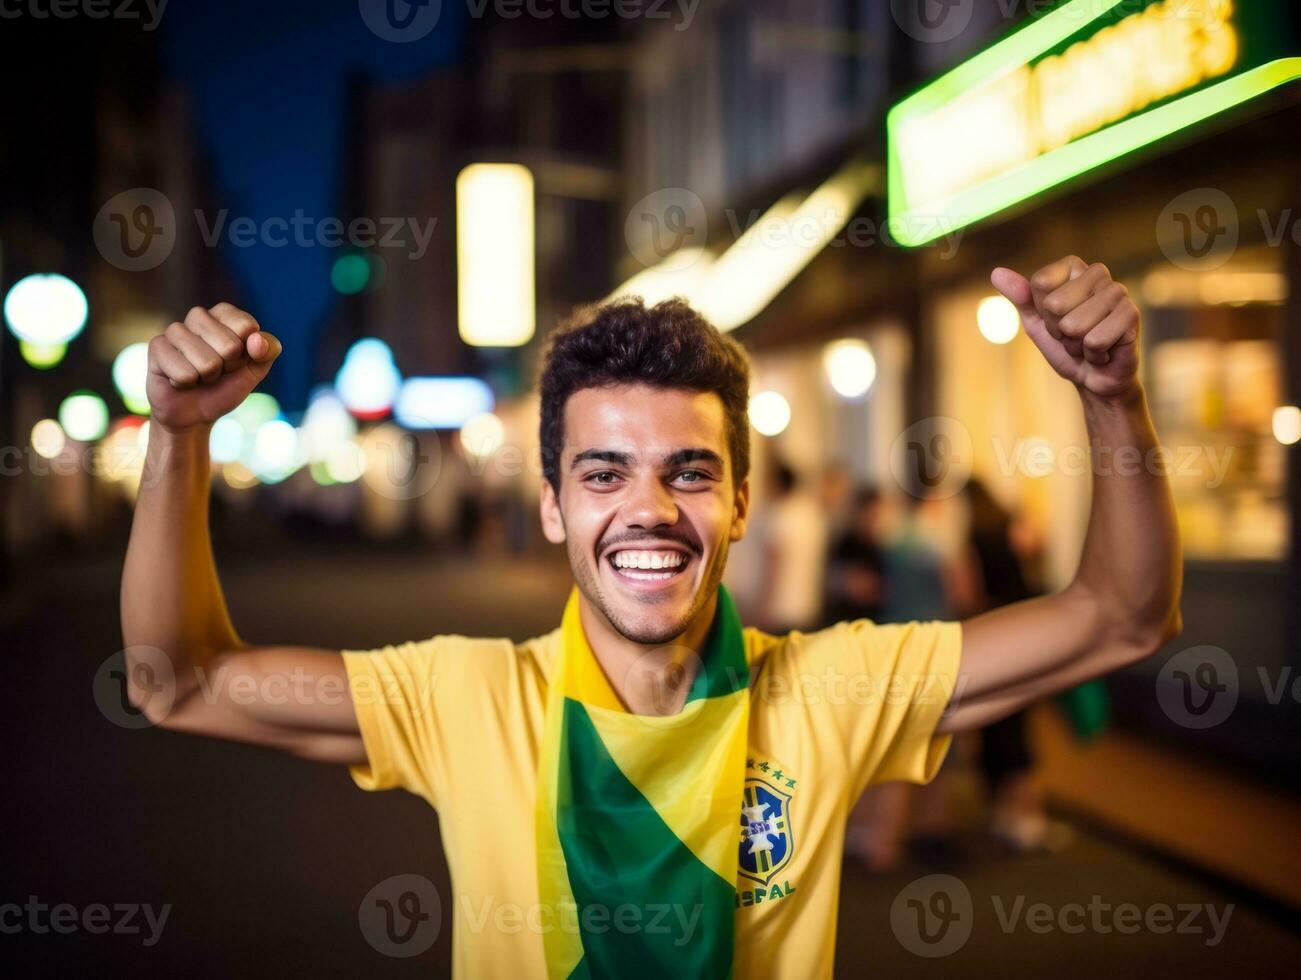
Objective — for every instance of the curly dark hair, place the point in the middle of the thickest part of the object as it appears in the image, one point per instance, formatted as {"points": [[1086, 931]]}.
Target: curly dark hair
{"points": [[668, 345]]}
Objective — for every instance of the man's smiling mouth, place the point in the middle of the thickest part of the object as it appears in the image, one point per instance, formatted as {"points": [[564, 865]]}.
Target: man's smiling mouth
{"points": [[648, 564]]}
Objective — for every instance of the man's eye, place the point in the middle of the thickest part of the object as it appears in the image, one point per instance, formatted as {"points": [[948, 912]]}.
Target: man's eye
{"points": [[604, 478], [692, 476]]}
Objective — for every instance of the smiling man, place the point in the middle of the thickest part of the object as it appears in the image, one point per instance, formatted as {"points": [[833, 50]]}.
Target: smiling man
{"points": [[651, 788]]}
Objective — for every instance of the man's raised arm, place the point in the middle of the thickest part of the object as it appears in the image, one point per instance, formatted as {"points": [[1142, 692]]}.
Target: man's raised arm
{"points": [[174, 619], [1123, 604]]}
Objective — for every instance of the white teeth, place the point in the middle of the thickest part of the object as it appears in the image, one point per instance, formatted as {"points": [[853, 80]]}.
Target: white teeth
{"points": [[648, 560]]}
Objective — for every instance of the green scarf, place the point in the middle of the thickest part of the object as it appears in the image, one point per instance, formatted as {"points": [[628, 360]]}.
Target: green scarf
{"points": [[638, 816]]}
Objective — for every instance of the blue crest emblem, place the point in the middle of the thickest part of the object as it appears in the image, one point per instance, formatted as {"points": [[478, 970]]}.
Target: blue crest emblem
{"points": [[767, 840]]}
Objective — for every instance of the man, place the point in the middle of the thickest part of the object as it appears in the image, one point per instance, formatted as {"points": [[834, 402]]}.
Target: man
{"points": [[650, 787]]}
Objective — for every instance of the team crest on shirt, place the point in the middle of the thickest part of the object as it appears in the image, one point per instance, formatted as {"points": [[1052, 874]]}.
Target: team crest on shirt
{"points": [[767, 835]]}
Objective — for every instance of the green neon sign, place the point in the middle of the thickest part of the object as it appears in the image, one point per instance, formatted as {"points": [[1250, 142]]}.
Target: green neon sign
{"points": [[1086, 84]]}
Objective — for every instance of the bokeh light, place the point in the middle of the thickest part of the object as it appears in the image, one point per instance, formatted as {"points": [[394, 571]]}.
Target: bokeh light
{"points": [[368, 381], [441, 403], [42, 355], [350, 273], [227, 440], [998, 319], [48, 439], [130, 375], [850, 367], [84, 416], [46, 309], [1287, 424], [483, 435], [770, 413]]}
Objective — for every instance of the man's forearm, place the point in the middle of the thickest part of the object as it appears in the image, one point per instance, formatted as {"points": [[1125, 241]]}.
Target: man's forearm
{"points": [[171, 598], [1131, 562]]}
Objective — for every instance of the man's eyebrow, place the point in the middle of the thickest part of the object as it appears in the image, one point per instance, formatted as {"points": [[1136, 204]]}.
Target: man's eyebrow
{"points": [[603, 456], [697, 455]]}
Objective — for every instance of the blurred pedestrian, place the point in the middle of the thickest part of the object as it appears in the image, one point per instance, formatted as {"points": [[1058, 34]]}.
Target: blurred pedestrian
{"points": [[795, 552], [855, 580], [1005, 759]]}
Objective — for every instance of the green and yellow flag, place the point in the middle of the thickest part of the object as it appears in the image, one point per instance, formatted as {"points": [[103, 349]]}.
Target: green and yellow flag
{"points": [[638, 817]]}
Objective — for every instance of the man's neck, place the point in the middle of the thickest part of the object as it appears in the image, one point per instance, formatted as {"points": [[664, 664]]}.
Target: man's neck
{"points": [[649, 679]]}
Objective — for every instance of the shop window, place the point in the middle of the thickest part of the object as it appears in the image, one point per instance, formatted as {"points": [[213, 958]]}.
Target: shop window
{"points": [[1215, 376]]}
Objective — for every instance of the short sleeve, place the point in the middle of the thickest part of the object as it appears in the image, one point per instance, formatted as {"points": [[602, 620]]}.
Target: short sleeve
{"points": [[439, 715], [886, 688], [393, 696]]}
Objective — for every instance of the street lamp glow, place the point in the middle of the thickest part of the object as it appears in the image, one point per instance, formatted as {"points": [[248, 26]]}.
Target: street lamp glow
{"points": [[483, 435], [275, 451], [850, 367], [46, 309], [345, 463], [441, 403], [368, 381], [1287, 424], [42, 355], [130, 375], [326, 424], [998, 319], [494, 255], [84, 416], [770, 413], [48, 439], [227, 439]]}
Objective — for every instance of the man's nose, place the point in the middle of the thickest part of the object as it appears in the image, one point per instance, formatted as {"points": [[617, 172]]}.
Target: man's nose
{"points": [[650, 505]]}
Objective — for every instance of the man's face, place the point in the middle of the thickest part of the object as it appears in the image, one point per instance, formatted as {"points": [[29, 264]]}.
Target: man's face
{"points": [[647, 505]]}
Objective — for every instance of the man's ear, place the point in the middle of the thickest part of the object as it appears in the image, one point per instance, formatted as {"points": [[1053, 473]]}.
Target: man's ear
{"points": [[553, 524], [740, 510]]}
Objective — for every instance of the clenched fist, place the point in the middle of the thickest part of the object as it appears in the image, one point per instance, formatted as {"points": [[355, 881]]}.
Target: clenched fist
{"points": [[1082, 320], [203, 368]]}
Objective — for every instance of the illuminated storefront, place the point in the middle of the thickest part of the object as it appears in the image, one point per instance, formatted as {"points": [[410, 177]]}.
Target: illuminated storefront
{"points": [[1162, 139]]}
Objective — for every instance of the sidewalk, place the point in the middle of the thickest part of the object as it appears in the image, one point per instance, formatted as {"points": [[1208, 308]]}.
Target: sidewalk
{"points": [[1197, 812]]}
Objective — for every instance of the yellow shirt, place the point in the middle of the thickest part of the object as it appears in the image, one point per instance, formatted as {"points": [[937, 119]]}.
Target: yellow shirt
{"points": [[458, 721]]}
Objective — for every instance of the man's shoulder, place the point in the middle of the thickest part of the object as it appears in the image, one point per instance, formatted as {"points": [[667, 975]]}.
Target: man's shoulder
{"points": [[454, 654]]}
